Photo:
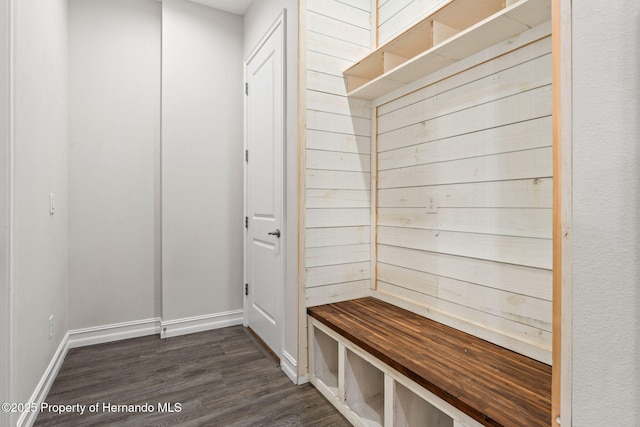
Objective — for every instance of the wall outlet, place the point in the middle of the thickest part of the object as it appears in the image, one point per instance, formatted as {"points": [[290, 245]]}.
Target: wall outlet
{"points": [[432, 203], [50, 327]]}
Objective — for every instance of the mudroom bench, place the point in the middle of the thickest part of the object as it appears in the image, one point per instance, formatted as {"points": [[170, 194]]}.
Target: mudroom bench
{"points": [[381, 365]]}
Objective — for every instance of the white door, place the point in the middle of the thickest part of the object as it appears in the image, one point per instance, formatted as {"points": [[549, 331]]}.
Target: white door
{"points": [[265, 146]]}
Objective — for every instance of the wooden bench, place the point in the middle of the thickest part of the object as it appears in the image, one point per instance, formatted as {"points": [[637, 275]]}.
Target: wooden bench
{"points": [[490, 384]]}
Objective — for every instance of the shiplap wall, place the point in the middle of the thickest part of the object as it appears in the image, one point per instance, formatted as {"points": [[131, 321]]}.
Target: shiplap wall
{"points": [[480, 143], [395, 16], [338, 130]]}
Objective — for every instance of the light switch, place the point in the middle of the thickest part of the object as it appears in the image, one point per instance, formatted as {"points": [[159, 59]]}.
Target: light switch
{"points": [[52, 204]]}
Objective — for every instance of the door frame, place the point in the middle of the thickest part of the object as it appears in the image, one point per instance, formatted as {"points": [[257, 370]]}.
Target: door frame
{"points": [[6, 202], [561, 17], [280, 22]]}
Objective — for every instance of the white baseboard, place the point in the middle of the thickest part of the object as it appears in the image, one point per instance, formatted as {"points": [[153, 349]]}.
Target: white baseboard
{"points": [[121, 331], [290, 368], [189, 325], [39, 395], [303, 379], [114, 332]]}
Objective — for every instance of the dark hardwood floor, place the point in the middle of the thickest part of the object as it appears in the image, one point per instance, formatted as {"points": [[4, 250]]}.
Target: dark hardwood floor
{"points": [[215, 378]]}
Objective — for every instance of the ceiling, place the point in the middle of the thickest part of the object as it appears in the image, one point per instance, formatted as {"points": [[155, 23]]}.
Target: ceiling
{"points": [[239, 7]]}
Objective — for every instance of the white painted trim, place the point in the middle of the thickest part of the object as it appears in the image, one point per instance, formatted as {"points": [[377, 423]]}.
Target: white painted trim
{"points": [[303, 379], [245, 204], [189, 325], [285, 219], [45, 383], [301, 128], [114, 332], [141, 328], [290, 367], [7, 138], [373, 175]]}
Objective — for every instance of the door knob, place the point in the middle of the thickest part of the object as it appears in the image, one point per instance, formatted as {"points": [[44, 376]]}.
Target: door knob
{"points": [[275, 233]]}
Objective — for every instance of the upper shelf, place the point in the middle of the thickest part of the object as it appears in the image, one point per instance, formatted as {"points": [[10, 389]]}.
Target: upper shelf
{"points": [[455, 31]]}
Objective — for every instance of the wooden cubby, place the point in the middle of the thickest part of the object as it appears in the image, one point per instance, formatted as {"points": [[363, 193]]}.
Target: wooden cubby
{"points": [[455, 31], [364, 390], [410, 410], [367, 391], [325, 355]]}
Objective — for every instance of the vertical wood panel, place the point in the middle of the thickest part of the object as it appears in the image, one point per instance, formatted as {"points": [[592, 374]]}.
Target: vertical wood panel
{"points": [[342, 11], [325, 44], [524, 193], [321, 23], [334, 293], [339, 180], [338, 236], [335, 255], [338, 154], [335, 274], [319, 140], [503, 139], [479, 144], [513, 109], [525, 76], [337, 161], [535, 282], [530, 45], [319, 218], [518, 165], [479, 141], [534, 223], [397, 15]]}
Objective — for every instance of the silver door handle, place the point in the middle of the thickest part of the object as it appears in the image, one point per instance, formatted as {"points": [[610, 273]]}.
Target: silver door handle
{"points": [[275, 233]]}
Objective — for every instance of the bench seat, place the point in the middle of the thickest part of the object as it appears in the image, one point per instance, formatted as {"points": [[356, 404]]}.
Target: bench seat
{"points": [[493, 385]]}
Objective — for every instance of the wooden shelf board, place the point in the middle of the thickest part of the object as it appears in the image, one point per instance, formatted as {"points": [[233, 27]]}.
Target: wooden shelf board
{"points": [[464, 14], [530, 12], [414, 41], [503, 25]]}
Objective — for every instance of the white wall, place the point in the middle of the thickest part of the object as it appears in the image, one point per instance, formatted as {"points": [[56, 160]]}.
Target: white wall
{"points": [[202, 155], [114, 161], [606, 213], [257, 21], [5, 187], [40, 275]]}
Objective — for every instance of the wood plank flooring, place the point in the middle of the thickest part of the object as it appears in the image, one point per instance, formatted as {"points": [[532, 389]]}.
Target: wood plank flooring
{"points": [[219, 378]]}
